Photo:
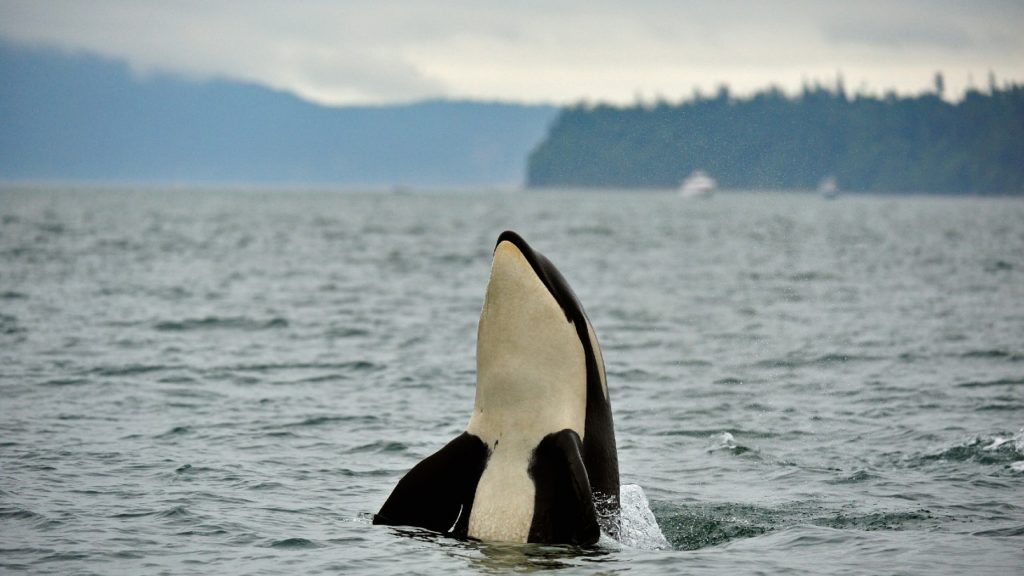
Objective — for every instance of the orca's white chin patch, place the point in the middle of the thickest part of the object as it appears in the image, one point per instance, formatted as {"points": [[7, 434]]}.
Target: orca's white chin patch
{"points": [[531, 365]]}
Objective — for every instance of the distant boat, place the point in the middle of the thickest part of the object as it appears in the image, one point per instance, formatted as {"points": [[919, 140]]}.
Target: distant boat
{"points": [[828, 187], [697, 185]]}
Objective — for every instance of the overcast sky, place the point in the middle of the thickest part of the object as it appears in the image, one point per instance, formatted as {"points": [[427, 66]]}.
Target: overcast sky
{"points": [[379, 51]]}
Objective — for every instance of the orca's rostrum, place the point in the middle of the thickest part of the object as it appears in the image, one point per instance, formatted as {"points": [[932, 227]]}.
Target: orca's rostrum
{"points": [[537, 461]]}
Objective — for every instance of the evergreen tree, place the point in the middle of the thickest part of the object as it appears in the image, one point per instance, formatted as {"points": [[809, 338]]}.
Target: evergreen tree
{"points": [[771, 141]]}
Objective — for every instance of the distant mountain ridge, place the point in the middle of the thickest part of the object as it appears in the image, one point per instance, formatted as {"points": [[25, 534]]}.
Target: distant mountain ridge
{"points": [[86, 118]]}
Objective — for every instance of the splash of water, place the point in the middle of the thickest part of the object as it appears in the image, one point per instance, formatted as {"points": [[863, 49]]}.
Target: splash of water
{"points": [[986, 450], [1018, 446], [727, 443], [998, 442], [638, 529]]}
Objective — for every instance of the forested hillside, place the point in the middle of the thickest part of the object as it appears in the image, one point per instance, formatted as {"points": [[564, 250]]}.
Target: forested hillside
{"points": [[774, 141]]}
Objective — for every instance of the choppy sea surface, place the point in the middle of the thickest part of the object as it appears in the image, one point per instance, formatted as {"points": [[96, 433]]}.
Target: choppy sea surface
{"points": [[232, 381]]}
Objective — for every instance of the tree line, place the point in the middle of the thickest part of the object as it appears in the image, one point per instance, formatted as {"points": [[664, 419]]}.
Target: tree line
{"points": [[771, 140]]}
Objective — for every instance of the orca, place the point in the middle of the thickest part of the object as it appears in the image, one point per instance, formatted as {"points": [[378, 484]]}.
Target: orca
{"points": [[537, 461]]}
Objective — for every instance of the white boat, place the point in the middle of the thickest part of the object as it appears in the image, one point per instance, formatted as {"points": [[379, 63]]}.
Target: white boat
{"points": [[828, 187], [697, 185]]}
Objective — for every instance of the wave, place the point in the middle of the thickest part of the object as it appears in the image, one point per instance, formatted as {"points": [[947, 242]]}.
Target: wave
{"points": [[695, 527], [355, 366], [876, 520], [173, 512], [990, 383], [130, 369], [293, 544], [220, 323], [9, 325], [854, 478], [994, 354], [321, 420], [1008, 532], [16, 513], [989, 450], [176, 431], [726, 442], [691, 527], [66, 382], [378, 447], [722, 438], [793, 361]]}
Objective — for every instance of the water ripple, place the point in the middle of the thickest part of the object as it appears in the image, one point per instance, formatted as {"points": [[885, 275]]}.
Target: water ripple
{"points": [[293, 544], [220, 323], [207, 380]]}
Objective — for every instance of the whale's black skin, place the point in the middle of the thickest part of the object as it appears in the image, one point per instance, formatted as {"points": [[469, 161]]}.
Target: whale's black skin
{"points": [[437, 494], [564, 511], [576, 481]]}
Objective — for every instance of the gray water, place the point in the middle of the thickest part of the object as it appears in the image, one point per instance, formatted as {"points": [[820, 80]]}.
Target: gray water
{"points": [[232, 381]]}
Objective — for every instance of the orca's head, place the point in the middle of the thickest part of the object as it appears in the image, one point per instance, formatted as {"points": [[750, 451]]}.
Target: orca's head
{"points": [[536, 351]]}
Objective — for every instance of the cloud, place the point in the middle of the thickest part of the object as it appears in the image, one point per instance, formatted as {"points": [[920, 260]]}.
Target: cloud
{"points": [[981, 29], [889, 35], [319, 50], [561, 51]]}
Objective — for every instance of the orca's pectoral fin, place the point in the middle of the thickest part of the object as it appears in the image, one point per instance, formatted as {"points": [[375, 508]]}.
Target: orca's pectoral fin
{"points": [[564, 511], [434, 493]]}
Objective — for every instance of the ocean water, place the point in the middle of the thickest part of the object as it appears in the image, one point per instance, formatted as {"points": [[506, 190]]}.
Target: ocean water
{"points": [[232, 381]]}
